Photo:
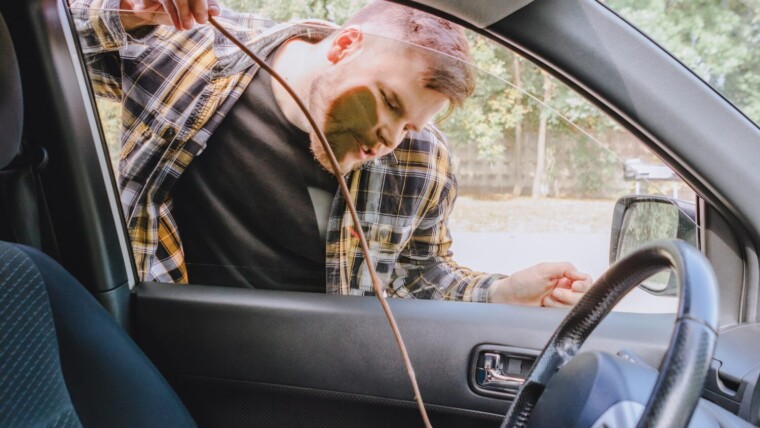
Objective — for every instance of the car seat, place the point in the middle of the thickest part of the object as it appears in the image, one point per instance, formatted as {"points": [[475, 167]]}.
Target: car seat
{"points": [[64, 361]]}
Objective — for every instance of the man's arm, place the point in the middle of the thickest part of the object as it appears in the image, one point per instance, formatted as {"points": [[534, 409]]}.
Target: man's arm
{"points": [[106, 26], [101, 36], [426, 268], [182, 14], [544, 284]]}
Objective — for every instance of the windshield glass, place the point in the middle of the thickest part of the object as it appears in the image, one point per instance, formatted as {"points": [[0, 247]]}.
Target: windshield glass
{"points": [[718, 39]]}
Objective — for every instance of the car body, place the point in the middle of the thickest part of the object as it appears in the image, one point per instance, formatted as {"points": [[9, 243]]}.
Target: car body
{"points": [[258, 357]]}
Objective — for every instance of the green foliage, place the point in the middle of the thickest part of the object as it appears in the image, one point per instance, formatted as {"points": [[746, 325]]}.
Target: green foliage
{"points": [[495, 108], [596, 170], [718, 39], [110, 120], [646, 222], [285, 10]]}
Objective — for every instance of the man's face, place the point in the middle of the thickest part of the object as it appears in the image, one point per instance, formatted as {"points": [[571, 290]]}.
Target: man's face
{"points": [[367, 101]]}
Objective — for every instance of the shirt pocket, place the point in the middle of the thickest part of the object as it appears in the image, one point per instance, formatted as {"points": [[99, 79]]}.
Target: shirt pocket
{"points": [[143, 152], [134, 51]]}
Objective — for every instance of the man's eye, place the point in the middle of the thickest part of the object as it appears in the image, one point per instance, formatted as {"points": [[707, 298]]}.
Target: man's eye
{"points": [[387, 102]]}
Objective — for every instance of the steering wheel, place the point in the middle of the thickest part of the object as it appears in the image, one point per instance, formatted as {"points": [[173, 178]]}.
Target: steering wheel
{"points": [[684, 367]]}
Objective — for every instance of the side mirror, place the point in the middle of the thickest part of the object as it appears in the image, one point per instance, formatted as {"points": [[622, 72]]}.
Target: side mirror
{"points": [[639, 219]]}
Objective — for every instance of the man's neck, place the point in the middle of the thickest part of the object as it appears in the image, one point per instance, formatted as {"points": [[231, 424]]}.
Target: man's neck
{"points": [[297, 62]]}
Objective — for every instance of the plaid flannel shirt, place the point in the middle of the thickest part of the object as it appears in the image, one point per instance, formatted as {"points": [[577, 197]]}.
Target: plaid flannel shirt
{"points": [[176, 87]]}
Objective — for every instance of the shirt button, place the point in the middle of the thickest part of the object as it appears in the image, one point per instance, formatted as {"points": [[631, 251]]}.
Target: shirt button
{"points": [[385, 234], [169, 134]]}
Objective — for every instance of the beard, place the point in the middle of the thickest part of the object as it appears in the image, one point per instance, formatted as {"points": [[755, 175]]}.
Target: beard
{"points": [[348, 120], [317, 95], [321, 156]]}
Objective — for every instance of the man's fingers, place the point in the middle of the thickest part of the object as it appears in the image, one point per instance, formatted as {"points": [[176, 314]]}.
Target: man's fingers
{"points": [[562, 270], [565, 296], [213, 8], [183, 11], [200, 11], [576, 276], [555, 269], [551, 302], [582, 286], [563, 283], [172, 11]]}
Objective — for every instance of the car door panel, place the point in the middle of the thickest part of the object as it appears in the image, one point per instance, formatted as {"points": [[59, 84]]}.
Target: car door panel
{"points": [[248, 357], [340, 349]]}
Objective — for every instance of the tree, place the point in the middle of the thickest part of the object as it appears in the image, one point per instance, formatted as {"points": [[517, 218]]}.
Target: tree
{"points": [[718, 39], [286, 10], [538, 177], [517, 153]]}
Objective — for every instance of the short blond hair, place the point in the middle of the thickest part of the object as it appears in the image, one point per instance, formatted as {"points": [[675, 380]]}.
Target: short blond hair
{"points": [[450, 73]]}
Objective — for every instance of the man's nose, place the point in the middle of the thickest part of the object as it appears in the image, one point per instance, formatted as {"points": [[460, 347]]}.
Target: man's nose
{"points": [[391, 135]]}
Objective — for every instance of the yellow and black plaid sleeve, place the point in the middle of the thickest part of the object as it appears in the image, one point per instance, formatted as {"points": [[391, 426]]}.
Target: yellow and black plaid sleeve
{"points": [[404, 205]]}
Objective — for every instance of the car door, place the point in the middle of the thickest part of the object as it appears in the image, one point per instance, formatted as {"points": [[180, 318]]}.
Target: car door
{"points": [[242, 356]]}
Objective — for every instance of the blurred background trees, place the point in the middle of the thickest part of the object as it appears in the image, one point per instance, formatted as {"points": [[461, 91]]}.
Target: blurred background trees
{"points": [[524, 133]]}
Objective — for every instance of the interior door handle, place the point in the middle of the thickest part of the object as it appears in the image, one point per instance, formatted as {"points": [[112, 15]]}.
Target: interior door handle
{"points": [[495, 378], [500, 371], [492, 376]]}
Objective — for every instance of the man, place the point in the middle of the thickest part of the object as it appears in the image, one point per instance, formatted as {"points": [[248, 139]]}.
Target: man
{"points": [[254, 209]]}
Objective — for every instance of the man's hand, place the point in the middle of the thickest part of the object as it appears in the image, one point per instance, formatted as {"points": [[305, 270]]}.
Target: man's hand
{"points": [[545, 284], [182, 14]]}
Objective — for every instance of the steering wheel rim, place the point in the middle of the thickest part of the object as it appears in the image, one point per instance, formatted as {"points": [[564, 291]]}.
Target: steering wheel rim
{"points": [[682, 374]]}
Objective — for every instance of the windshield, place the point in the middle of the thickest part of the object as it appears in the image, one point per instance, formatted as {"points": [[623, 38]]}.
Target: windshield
{"points": [[718, 39]]}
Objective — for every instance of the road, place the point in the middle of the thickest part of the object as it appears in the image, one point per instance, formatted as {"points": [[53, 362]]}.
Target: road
{"points": [[589, 252]]}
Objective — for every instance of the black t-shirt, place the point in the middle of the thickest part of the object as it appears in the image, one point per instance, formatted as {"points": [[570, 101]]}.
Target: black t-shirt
{"points": [[243, 206]]}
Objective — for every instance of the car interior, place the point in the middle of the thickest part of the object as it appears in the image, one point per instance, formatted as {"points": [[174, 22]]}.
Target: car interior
{"points": [[83, 342], [68, 349]]}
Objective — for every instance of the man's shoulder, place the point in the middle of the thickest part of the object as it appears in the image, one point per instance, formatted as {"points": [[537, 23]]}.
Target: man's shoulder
{"points": [[423, 154], [262, 35], [429, 141]]}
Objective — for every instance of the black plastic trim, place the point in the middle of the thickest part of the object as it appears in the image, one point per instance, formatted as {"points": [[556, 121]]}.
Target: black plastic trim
{"points": [[224, 403], [117, 301], [55, 119], [343, 344]]}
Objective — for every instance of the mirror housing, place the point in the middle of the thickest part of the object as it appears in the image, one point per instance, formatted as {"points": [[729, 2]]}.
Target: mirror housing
{"points": [[638, 219]]}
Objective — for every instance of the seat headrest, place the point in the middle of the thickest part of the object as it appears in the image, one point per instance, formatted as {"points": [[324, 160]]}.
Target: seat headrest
{"points": [[11, 102]]}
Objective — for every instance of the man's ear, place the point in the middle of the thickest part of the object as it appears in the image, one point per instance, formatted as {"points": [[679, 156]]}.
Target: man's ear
{"points": [[348, 40]]}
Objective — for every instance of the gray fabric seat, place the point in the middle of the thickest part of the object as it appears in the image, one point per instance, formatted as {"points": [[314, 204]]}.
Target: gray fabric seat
{"points": [[63, 360], [34, 392]]}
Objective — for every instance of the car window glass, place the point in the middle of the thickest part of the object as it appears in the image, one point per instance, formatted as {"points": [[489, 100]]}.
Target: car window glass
{"points": [[718, 40], [540, 170]]}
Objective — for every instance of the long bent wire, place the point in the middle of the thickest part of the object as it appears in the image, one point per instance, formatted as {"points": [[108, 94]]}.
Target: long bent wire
{"points": [[377, 286]]}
